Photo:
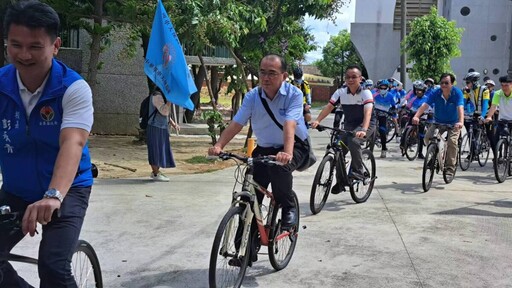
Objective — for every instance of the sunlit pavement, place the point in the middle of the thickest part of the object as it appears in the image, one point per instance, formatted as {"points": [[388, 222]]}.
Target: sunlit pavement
{"points": [[151, 234]]}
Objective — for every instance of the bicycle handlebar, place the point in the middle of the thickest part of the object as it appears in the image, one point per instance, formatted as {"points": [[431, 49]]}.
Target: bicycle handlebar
{"points": [[268, 160], [322, 128]]}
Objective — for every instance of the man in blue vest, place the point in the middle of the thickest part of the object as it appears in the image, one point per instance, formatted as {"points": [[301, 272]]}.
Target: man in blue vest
{"points": [[47, 114]]}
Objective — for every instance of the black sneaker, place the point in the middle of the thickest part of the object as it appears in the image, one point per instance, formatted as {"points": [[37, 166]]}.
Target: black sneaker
{"points": [[288, 218], [336, 189]]}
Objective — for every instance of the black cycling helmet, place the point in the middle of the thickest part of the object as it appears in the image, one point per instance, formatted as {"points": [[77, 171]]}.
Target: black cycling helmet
{"points": [[297, 73], [472, 77], [505, 79], [419, 85]]}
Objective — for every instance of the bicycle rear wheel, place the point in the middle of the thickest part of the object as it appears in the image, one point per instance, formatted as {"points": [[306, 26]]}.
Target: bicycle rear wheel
{"points": [[227, 267], [485, 149], [85, 266], [321, 184], [282, 243], [501, 162], [429, 166], [360, 191], [466, 151], [411, 142]]}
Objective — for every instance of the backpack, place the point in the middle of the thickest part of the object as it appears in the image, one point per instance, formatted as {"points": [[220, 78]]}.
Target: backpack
{"points": [[144, 115]]}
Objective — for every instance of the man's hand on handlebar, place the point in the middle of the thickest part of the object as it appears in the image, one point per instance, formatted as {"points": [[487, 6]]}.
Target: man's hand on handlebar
{"points": [[458, 126], [40, 211], [360, 134], [284, 157], [214, 150]]}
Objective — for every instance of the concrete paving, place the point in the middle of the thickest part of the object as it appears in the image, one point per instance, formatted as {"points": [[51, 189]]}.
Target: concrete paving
{"points": [[151, 234]]}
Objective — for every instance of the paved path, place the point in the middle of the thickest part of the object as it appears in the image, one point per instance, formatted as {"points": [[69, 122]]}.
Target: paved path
{"points": [[458, 235]]}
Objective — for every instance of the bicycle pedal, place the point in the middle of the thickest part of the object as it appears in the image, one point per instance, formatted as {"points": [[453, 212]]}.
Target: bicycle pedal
{"points": [[235, 262]]}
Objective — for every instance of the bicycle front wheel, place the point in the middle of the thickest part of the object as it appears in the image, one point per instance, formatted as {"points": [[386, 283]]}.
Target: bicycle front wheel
{"points": [[484, 151], [360, 191], [227, 266], [392, 129], [429, 166], [282, 243], [411, 142], [466, 152], [85, 266], [501, 162], [321, 184]]}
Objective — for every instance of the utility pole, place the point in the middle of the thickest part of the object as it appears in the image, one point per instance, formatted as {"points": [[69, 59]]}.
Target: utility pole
{"points": [[403, 16]]}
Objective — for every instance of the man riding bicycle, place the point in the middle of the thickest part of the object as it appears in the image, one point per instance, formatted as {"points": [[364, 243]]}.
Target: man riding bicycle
{"points": [[449, 109], [413, 102], [285, 103], [502, 99], [476, 102], [358, 106], [47, 115]]}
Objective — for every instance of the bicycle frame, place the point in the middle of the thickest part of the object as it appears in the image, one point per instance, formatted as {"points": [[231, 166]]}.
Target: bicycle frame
{"points": [[252, 209]]}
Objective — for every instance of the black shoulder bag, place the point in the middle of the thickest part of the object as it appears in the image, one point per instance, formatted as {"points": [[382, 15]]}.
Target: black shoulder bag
{"points": [[310, 158]]}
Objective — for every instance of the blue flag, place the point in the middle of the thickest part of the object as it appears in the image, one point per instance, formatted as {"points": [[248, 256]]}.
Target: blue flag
{"points": [[165, 62]]}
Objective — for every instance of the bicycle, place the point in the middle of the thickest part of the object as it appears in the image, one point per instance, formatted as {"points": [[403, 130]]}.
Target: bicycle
{"points": [[391, 128], [334, 160], [241, 232], [503, 157], [436, 156], [85, 264], [475, 144], [411, 139]]}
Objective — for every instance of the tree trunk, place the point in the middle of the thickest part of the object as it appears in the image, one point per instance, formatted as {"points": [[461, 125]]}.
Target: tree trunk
{"points": [[210, 92], [198, 80], [92, 70], [214, 80]]}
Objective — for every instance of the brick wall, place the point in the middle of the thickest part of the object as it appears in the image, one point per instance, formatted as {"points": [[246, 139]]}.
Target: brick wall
{"points": [[322, 93]]}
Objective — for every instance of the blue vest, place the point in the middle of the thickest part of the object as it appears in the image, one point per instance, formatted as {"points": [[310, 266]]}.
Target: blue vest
{"points": [[29, 146]]}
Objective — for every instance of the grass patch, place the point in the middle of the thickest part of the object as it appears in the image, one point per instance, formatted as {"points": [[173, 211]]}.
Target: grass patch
{"points": [[199, 160]]}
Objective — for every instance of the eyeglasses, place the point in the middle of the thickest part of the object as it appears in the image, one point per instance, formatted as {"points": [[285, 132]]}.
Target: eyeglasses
{"points": [[445, 83], [270, 74]]}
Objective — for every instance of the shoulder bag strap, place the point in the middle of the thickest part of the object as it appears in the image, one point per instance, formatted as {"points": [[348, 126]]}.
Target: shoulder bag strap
{"points": [[269, 112]]}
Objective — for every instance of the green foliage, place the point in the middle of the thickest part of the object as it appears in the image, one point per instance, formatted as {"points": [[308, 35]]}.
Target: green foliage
{"points": [[214, 120], [338, 53], [199, 160], [431, 44]]}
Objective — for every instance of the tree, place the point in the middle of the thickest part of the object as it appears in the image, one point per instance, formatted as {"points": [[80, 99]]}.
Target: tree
{"points": [[89, 15], [431, 44], [338, 54]]}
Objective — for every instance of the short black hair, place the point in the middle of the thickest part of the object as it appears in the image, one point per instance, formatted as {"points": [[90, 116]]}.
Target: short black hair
{"points": [[505, 79], [350, 67], [452, 77], [284, 66], [33, 14]]}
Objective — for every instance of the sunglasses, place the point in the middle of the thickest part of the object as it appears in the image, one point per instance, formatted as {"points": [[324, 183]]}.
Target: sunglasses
{"points": [[445, 83]]}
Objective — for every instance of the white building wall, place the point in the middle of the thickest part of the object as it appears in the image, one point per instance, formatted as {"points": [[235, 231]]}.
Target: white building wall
{"points": [[379, 45]]}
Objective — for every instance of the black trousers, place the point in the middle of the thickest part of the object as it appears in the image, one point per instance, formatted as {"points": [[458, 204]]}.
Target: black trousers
{"points": [[280, 176], [58, 243]]}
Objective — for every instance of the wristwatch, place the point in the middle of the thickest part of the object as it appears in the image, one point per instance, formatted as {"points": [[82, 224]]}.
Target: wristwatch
{"points": [[53, 193]]}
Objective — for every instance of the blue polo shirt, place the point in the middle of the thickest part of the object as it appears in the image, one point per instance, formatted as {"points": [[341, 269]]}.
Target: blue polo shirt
{"points": [[286, 106], [446, 109]]}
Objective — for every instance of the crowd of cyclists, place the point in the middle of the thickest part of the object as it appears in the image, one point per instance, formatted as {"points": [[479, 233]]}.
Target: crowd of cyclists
{"points": [[480, 108]]}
